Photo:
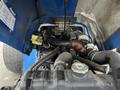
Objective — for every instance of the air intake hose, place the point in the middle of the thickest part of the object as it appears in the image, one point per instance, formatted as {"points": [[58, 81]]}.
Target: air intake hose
{"points": [[113, 58], [62, 60]]}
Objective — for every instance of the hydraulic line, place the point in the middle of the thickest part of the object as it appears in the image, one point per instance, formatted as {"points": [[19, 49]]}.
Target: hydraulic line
{"points": [[41, 61], [45, 58]]}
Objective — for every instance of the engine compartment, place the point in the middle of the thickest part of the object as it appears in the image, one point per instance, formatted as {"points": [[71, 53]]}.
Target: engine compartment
{"points": [[50, 80], [69, 57], [65, 48]]}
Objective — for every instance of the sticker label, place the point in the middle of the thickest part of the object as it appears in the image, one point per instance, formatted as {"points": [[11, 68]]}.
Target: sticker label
{"points": [[6, 16]]}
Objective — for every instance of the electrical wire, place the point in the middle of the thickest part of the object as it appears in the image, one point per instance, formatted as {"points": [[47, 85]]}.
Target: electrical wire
{"points": [[65, 14]]}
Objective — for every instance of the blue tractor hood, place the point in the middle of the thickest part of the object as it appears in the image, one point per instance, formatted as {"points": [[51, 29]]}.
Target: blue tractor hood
{"points": [[20, 18]]}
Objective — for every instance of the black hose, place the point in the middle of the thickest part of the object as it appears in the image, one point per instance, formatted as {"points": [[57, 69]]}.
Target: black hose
{"points": [[45, 58], [40, 61], [58, 42], [113, 58], [63, 59], [91, 64]]}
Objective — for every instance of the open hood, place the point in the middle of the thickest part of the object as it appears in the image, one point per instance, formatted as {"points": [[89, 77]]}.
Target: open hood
{"points": [[20, 18], [16, 22]]}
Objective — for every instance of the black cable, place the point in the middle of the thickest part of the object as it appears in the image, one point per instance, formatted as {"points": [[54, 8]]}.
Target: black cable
{"points": [[40, 61], [18, 81], [58, 42], [45, 58], [65, 14], [35, 67]]}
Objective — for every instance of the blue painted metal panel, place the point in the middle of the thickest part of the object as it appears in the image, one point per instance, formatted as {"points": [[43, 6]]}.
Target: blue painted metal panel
{"points": [[113, 41], [25, 15], [29, 14], [53, 8], [29, 60]]}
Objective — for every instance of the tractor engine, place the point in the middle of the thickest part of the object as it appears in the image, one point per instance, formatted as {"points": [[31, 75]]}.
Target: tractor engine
{"points": [[66, 53]]}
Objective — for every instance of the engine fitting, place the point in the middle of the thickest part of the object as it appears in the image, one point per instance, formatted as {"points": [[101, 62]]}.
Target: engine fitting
{"points": [[62, 60]]}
